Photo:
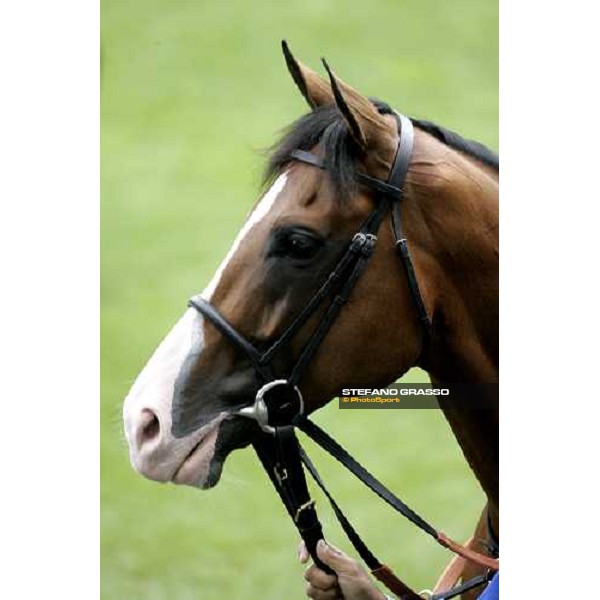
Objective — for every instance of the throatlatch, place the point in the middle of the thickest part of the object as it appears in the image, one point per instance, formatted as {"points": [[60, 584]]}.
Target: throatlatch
{"points": [[279, 408]]}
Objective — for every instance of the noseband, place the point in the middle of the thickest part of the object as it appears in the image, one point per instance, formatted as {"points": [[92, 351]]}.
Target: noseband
{"points": [[278, 407]]}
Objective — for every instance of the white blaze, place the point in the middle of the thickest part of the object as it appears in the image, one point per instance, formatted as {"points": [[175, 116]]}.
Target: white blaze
{"points": [[262, 209], [153, 389]]}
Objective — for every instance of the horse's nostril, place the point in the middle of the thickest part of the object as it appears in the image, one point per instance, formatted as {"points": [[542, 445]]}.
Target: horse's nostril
{"points": [[149, 426]]}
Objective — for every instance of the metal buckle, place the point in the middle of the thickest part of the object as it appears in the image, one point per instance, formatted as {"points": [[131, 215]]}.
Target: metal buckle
{"points": [[281, 475], [358, 241], [401, 247], [301, 509], [370, 242], [259, 411], [363, 242]]}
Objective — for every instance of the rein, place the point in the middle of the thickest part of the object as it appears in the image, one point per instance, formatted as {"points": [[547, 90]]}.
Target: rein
{"points": [[279, 408]]}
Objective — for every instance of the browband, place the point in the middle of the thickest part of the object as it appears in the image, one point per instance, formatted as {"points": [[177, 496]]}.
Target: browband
{"points": [[391, 191], [399, 167]]}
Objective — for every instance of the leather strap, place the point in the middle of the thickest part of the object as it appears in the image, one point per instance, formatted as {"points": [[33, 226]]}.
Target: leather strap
{"points": [[443, 589], [399, 172], [472, 555], [403, 156], [335, 307], [393, 186], [391, 192], [387, 189], [453, 571], [277, 455], [363, 550], [413, 286], [379, 570], [470, 584], [206, 309], [325, 441], [358, 253], [280, 457], [395, 585]]}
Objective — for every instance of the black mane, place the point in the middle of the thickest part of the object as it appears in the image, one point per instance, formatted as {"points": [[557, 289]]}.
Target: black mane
{"points": [[326, 126]]}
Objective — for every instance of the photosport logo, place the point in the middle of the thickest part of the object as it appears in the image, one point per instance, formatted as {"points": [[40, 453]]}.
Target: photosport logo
{"points": [[421, 395]]}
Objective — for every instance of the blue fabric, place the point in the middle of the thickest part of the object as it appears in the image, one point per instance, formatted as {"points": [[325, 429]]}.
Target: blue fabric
{"points": [[492, 591]]}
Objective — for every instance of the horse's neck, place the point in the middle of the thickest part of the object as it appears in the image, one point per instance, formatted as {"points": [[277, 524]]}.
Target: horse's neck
{"points": [[476, 430], [457, 201]]}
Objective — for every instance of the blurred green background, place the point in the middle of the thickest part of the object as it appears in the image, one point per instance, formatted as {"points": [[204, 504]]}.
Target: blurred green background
{"points": [[190, 91]]}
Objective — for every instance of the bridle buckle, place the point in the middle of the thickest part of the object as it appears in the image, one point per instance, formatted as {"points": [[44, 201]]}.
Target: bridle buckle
{"points": [[363, 243]]}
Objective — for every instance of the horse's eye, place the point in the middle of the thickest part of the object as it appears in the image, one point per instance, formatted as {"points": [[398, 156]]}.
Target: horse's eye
{"points": [[300, 245], [297, 244]]}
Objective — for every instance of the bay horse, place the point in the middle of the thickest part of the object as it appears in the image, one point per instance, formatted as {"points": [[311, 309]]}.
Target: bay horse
{"points": [[290, 243]]}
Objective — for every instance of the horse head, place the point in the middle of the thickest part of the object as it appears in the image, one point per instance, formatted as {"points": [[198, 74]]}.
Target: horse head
{"points": [[288, 246]]}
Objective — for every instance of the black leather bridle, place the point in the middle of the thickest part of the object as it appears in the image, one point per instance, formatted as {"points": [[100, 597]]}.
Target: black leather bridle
{"points": [[278, 407], [346, 273]]}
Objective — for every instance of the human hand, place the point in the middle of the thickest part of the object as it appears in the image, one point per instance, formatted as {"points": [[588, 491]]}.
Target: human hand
{"points": [[350, 582]]}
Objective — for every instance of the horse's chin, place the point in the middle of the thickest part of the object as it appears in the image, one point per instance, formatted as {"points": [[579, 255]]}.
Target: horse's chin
{"points": [[232, 434]]}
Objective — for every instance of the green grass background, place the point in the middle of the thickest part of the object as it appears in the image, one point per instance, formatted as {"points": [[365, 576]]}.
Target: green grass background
{"points": [[190, 91]]}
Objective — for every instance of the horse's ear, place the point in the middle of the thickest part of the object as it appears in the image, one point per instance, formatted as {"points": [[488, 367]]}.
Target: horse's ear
{"points": [[316, 91], [369, 129]]}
